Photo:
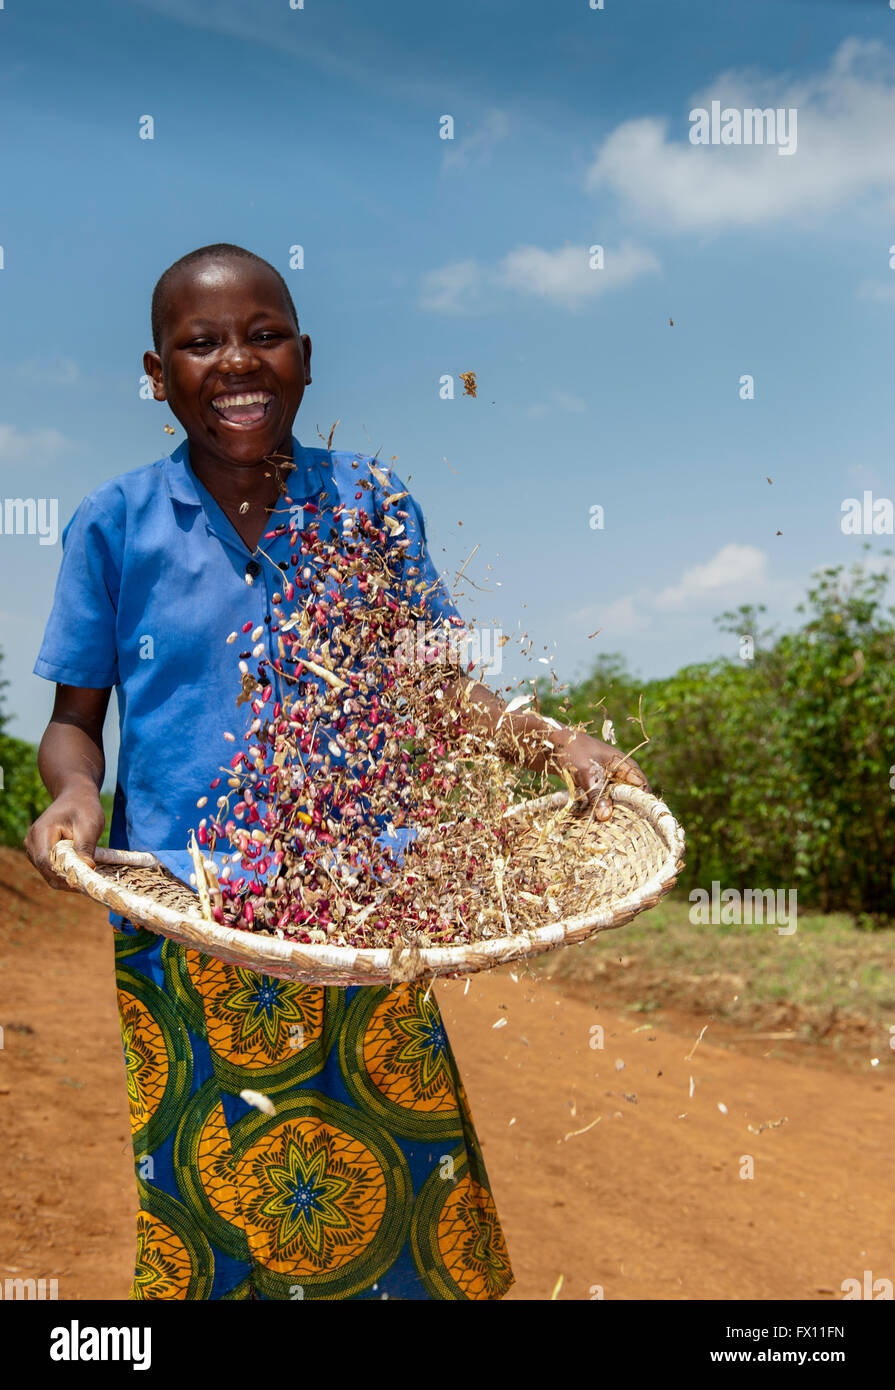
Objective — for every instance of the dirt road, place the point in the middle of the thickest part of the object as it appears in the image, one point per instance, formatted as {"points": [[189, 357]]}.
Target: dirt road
{"points": [[652, 1199]]}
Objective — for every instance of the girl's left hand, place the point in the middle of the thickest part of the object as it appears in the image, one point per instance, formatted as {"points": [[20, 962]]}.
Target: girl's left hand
{"points": [[591, 763]]}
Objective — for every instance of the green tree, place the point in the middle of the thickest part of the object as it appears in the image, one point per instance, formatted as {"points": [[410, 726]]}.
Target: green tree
{"points": [[777, 766], [22, 794]]}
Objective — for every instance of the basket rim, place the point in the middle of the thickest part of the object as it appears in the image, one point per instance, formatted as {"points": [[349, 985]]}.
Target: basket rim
{"points": [[263, 948]]}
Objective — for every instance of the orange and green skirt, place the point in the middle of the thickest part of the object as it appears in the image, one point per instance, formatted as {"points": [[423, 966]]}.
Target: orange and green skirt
{"points": [[367, 1182]]}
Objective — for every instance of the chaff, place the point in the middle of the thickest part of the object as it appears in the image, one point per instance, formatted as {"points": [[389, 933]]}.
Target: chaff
{"points": [[364, 738]]}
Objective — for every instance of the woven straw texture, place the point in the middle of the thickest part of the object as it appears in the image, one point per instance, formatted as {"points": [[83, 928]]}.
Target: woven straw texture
{"points": [[640, 853]]}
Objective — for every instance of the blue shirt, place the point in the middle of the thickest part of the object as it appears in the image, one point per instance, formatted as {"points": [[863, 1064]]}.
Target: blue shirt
{"points": [[152, 581]]}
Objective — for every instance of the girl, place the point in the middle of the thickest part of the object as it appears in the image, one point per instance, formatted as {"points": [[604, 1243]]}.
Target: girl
{"points": [[368, 1182]]}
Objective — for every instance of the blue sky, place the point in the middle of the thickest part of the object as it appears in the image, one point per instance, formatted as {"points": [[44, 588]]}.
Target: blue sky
{"points": [[426, 257]]}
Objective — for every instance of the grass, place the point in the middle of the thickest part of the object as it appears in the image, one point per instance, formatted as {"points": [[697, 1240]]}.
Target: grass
{"points": [[827, 980]]}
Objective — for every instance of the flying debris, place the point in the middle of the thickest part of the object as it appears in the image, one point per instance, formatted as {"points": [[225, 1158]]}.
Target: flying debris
{"points": [[259, 1101]]}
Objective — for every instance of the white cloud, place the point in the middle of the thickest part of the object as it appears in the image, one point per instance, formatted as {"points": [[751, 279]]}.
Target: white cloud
{"points": [[561, 400], [30, 450], [62, 371], [478, 146], [845, 118], [362, 54], [450, 289], [877, 291], [564, 276], [735, 573], [620, 617], [735, 569], [866, 476], [614, 620], [566, 401]]}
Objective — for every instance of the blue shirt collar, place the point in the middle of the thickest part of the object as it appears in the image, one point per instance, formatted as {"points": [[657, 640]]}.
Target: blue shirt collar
{"points": [[308, 478]]}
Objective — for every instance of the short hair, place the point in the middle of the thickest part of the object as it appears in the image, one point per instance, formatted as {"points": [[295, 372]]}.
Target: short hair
{"points": [[220, 251]]}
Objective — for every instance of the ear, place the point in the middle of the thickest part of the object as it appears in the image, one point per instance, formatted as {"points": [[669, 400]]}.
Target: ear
{"points": [[306, 345], [152, 366]]}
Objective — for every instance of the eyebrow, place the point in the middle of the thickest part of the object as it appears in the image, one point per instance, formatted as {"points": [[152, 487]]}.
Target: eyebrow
{"points": [[194, 325]]}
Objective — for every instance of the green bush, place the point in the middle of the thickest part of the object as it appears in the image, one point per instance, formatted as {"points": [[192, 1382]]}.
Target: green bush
{"points": [[23, 796], [778, 767]]}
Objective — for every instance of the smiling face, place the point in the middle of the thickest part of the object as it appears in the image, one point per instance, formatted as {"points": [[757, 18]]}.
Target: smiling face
{"points": [[232, 366]]}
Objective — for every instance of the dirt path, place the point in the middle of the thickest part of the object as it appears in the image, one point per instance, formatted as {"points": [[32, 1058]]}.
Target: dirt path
{"points": [[648, 1203]]}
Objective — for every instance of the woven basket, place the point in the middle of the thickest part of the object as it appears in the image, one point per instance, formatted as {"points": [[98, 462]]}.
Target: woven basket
{"points": [[641, 853]]}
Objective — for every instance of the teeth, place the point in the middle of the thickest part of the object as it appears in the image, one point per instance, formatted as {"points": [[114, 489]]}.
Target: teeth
{"points": [[251, 398]]}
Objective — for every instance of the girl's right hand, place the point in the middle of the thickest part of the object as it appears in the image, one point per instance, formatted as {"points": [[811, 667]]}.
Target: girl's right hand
{"points": [[77, 815]]}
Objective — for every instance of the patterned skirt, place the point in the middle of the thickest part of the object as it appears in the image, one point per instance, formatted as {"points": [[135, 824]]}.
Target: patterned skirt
{"points": [[367, 1182]]}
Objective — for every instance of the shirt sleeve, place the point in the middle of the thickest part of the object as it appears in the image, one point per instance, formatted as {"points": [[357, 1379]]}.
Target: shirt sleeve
{"points": [[80, 645], [424, 588]]}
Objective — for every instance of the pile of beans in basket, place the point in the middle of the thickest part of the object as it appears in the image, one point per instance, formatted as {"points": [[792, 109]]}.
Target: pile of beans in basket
{"points": [[368, 741]]}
